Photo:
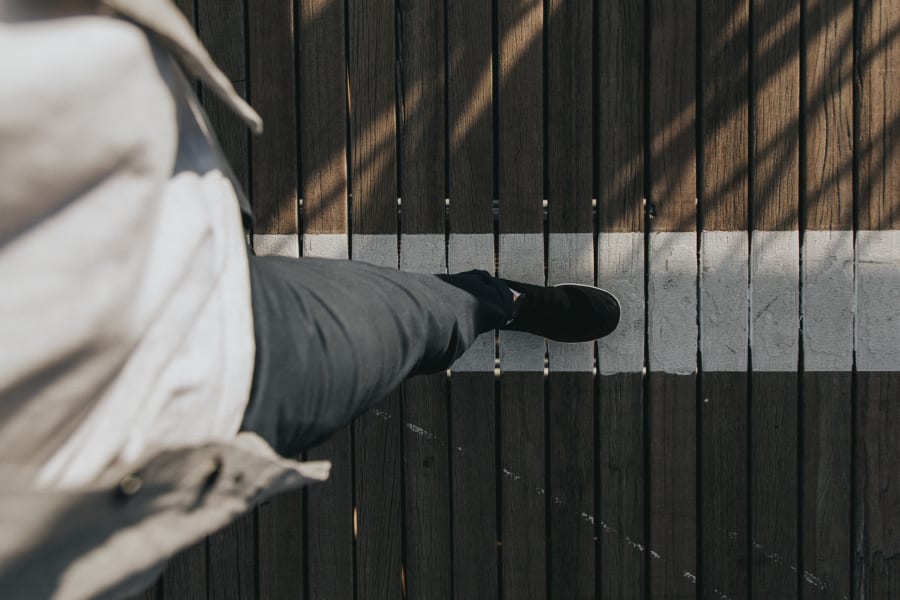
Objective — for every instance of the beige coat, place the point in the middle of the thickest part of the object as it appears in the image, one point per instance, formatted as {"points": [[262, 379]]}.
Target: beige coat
{"points": [[70, 528]]}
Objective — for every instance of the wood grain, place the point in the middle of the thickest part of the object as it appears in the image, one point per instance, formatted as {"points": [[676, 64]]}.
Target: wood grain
{"points": [[329, 546], [571, 466], [472, 422], [828, 115], [673, 106], [878, 22], [379, 489], [827, 484], [521, 116], [619, 69], [619, 179], [473, 485], [281, 547], [274, 153], [775, 128], [877, 537], [470, 116], [724, 207], [427, 487], [620, 481], [673, 485], [877, 543], [322, 101], [185, 574], [725, 79], [523, 491], [569, 117], [672, 398], [773, 485], [723, 500], [373, 117]]}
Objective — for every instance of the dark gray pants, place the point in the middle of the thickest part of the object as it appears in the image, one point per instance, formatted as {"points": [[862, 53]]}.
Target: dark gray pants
{"points": [[333, 338]]}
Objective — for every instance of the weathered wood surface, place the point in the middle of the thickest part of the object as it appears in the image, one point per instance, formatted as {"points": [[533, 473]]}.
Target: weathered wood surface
{"points": [[767, 250]]}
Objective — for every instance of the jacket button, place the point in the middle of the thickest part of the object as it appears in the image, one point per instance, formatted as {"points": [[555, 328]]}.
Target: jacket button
{"points": [[130, 485]]}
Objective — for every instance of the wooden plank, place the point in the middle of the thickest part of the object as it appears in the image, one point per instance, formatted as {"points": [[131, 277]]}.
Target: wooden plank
{"points": [[877, 544], [274, 153], [322, 122], [520, 146], [619, 180], [322, 100], [473, 467], [724, 305], [329, 522], [232, 559], [877, 537], [570, 387], [422, 113], [723, 490], [673, 300], [231, 554], [473, 441], [774, 280], [373, 177], [221, 29], [620, 477], [281, 549], [879, 114], [523, 494], [828, 302], [185, 575], [571, 466], [827, 484], [378, 484], [373, 120]]}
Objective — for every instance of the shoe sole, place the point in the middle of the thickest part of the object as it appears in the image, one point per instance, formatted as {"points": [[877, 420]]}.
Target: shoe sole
{"points": [[599, 289]]}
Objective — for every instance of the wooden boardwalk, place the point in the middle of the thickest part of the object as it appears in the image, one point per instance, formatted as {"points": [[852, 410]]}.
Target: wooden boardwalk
{"points": [[730, 169]]}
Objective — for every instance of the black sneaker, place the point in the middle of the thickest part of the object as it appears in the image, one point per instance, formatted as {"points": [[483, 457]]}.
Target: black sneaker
{"points": [[568, 312]]}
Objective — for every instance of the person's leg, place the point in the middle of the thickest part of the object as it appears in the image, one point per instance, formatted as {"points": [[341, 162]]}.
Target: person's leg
{"points": [[335, 337]]}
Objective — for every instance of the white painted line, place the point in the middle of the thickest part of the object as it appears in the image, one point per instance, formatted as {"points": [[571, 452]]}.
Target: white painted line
{"points": [[423, 253], [379, 249], [878, 289], [522, 259], [276, 244], [326, 245], [673, 302], [724, 300], [775, 300], [828, 303], [571, 260], [468, 252], [620, 269]]}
